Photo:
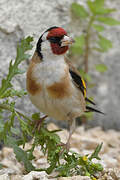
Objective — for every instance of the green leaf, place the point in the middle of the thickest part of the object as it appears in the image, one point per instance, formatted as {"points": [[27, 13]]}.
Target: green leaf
{"points": [[12, 93], [23, 124], [96, 152], [98, 49], [101, 68], [78, 46], [78, 10], [104, 11], [36, 116], [104, 43], [94, 6], [21, 156], [97, 7], [15, 131], [22, 47], [1, 166], [98, 27], [98, 167], [108, 20]]}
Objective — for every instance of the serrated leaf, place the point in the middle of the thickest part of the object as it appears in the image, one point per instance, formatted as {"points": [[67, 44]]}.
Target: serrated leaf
{"points": [[108, 20], [9, 85], [13, 66], [21, 156], [24, 125], [98, 27], [12, 93], [19, 71], [79, 10], [78, 46], [104, 43], [101, 68]]}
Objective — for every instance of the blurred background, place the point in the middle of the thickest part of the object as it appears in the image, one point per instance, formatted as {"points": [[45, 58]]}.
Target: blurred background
{"points": [[102, 71]]}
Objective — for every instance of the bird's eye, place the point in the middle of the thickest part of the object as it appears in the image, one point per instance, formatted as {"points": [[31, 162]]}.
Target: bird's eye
{"points": [[55, 39]]}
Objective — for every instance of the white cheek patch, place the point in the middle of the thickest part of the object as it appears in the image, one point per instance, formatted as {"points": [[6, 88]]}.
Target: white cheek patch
{"points": [[44, 37], [45, 45]]}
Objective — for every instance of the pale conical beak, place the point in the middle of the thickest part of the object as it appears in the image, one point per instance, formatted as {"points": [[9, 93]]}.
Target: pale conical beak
{"points": [[67, 41]]}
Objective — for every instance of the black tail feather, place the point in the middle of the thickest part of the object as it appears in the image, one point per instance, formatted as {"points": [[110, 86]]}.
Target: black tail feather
{"points": [[90, 109], [90, 101]]}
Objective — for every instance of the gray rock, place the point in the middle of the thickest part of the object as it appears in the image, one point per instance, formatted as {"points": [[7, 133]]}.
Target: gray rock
{"points": [[74, 178], [4, 177], [8, 171], [35, 175]]}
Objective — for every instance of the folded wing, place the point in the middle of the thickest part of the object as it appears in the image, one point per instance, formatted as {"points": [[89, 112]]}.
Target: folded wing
{"points": [[80, 84]]}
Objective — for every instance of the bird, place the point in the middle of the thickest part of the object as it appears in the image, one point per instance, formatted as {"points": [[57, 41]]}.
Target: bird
{"points": [[53, 84]]}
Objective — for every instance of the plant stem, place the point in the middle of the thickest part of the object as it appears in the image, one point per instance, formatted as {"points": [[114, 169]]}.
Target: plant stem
{"points": [[87, 43], [7, 107]]}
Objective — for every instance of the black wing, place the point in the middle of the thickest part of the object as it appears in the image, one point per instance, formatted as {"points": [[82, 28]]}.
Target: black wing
{"points": [[80, 83]]}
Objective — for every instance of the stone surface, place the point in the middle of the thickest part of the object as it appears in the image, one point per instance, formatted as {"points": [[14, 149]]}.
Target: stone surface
{"points": [[83, 141], [35, 175], [4, 177], [74, 178]]}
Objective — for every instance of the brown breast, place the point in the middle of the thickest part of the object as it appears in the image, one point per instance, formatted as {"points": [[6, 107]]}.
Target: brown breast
{"points": [[62, 88], [32, 87]]}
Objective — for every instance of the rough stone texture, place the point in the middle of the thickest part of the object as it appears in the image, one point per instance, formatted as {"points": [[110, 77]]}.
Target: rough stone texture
{"points": [[4, 177], [36, 175], [83, 142], [74, 178], [27, 17]]}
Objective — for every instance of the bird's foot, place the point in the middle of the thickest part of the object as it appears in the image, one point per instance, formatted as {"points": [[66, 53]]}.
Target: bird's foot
{"points": [[38, 123]]}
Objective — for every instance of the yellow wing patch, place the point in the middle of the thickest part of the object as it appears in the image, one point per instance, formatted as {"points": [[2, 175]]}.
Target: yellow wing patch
{"points": [[84, 85]]}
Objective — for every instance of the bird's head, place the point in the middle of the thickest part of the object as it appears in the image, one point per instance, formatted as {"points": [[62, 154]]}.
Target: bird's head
{"points": [[54, 41]]}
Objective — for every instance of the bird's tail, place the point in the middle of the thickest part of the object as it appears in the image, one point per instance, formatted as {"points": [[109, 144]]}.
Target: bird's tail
{"points": [[90, 109]]}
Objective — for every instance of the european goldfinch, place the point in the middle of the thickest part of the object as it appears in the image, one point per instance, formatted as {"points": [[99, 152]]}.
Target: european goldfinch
{"points": [[53, 84]]}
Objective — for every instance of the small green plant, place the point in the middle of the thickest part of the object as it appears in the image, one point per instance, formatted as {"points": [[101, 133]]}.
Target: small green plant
{"points": [[94, 18], [49, 141]]}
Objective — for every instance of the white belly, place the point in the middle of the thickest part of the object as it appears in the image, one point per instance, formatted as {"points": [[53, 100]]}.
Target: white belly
{"points": [[58, 108]]}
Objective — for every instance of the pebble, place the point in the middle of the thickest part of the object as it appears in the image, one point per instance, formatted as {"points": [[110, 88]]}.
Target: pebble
{"points": [[83, 142]]}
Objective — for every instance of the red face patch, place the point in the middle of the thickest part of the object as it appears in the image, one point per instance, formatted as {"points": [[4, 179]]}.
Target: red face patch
{"points": [[56, 48]]}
